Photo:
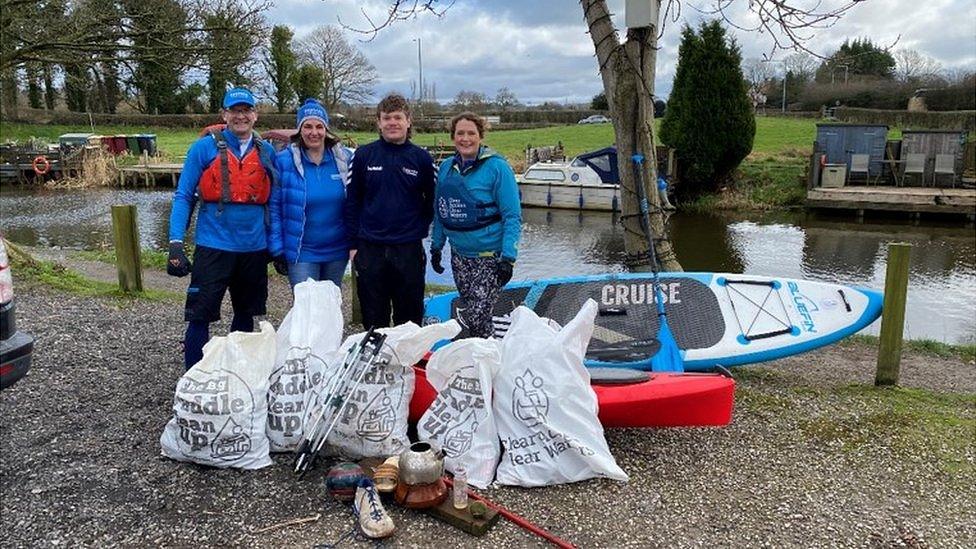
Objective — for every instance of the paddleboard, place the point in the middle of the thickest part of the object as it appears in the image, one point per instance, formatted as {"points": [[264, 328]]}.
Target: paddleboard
{"points": [[718, 319]]}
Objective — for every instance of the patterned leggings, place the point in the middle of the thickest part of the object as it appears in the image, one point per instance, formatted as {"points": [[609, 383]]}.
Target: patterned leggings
{"points": [[477, 282]]}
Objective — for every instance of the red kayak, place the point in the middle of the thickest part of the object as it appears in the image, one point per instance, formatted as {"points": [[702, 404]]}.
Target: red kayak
{"points": [[641, 399]]}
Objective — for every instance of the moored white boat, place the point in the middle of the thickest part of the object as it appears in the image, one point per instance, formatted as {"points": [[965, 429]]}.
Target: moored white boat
{"points": [[576, 185]]}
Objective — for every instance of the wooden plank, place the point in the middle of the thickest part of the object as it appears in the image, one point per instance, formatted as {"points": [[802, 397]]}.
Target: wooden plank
{"points": [[127, 250], [893, 314], [462, 518]]}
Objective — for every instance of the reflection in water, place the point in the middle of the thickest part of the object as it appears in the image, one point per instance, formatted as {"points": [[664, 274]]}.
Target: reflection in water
{"points": [[555, 243], [566, 243], [73, 218]]}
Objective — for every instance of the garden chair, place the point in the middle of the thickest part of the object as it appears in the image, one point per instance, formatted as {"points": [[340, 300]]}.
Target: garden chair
{"points": [[945, 164], [859, 165], [915, 165]]}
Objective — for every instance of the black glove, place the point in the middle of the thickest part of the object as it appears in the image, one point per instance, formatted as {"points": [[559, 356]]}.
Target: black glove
{"points": [[435, 261], [504, 272], [280, 264], [178, 264]]}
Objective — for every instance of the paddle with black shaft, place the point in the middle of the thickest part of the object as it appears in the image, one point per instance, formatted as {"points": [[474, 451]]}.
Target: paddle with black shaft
{"points": [[668, 358]]}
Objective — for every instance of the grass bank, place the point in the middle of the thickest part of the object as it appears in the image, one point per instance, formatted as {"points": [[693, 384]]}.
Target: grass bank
{"points": [[916, 424], [924, 346], [770, 177], [55, 275]]}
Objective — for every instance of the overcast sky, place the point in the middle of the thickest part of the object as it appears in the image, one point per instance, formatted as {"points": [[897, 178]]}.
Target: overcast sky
{"points": [[540, 49]]}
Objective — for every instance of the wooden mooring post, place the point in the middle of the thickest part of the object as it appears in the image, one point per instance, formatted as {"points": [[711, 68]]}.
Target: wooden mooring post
{"points": [[893, 314], [127, 252]]}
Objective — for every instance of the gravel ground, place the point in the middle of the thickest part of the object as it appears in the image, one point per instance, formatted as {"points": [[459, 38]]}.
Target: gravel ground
{"points": [[81, 466]]}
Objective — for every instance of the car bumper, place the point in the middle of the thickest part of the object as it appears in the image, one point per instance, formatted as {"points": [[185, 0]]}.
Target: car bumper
{"points": [[15, 358]]}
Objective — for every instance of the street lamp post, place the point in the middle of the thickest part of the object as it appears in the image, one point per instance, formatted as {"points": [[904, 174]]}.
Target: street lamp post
{"points": [[420, 66]]}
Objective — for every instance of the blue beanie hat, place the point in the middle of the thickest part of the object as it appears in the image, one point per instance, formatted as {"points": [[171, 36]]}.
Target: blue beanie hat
{"points": [[311, 108]]}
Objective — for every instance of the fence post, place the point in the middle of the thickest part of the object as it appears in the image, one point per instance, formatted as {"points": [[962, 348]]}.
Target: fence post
{"points": [[127, 252], [893, 314]]}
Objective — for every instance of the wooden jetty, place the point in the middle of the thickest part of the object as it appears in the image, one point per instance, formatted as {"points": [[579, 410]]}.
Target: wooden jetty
{"points": [[911, 200], [147, 174]]}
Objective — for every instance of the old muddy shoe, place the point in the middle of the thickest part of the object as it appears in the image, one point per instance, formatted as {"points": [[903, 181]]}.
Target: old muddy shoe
{"points": [[373, 519]]}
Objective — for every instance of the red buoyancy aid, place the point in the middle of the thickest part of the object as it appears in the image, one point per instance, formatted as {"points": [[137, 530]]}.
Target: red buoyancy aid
{"points": [[238, 181]]}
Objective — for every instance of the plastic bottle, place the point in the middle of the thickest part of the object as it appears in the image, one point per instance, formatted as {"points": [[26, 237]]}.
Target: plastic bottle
{"points": [[460, 487]]}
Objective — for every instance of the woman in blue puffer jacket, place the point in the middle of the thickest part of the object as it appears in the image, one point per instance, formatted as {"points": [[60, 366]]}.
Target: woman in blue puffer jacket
{"points": [[308, 236], [477, 211]]}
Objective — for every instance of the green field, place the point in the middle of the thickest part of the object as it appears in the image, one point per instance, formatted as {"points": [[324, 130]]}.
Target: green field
{"points": [[773, 135], [770, 177]]}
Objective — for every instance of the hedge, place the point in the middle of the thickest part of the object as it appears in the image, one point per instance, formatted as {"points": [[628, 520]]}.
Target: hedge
{"points": [[363, 121], [956, 120]]}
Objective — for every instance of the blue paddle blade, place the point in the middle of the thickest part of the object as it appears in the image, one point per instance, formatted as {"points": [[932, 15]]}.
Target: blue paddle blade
{"points": [[669, 357]]}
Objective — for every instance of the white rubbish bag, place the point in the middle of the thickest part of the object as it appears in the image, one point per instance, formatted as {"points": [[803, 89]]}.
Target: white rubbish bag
{"points": [[308, 339], [544, 406], [459, 420], [221, 404], [374, 420]]}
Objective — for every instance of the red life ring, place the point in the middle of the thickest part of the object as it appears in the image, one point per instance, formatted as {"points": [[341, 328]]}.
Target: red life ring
{"points": [[41, 165]]}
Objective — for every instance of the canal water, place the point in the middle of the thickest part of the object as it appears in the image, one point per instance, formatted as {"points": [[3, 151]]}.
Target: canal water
{"points": [[942, 283]]}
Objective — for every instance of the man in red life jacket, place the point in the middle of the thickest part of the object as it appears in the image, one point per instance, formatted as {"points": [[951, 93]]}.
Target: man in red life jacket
{"points": [[230, 173]]}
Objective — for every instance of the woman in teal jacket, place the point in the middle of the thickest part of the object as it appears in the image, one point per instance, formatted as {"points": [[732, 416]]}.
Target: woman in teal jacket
{"points": [[477, 210]]}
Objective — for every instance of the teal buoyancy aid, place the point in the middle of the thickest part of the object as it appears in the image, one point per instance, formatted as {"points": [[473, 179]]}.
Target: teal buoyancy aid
{"points": [[457, 209]]}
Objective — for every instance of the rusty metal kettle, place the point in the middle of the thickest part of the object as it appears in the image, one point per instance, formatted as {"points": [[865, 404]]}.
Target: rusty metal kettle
{"points": [[422, 463]]}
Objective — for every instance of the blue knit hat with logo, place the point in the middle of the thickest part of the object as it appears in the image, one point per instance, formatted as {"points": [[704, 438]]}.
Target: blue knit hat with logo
{"points": [[311, 108]]}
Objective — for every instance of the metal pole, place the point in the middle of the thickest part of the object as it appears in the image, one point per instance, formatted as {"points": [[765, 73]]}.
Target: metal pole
{"points": [[786, 75], [420, 64]]}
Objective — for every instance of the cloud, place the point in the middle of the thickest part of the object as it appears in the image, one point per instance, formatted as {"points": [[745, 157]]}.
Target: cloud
{"points": [[541, 50]]}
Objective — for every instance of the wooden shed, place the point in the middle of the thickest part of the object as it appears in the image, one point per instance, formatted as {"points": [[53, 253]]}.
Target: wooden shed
{"points": [[839, 141], [933, 142]]}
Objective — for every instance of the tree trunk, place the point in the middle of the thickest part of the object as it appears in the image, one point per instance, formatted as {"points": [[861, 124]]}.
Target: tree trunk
{"points": [[34, 99], [50, 94], [8, 93], [110, 74], [628, 71]]}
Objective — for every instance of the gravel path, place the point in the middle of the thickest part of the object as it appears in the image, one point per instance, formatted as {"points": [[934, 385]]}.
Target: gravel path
{"points": [[79, 439]]}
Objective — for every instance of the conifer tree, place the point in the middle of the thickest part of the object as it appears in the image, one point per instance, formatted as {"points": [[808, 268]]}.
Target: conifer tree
{"points": [[709, 119]]}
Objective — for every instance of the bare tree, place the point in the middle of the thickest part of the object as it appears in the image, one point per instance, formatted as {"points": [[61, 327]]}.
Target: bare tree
{"points": [[758, 73], [914, 67], [628, 69], [467, 100], [801, 65], [506, 99], [349, 76]]}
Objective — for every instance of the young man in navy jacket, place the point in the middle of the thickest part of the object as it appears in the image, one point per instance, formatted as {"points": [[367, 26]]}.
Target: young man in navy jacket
{"points": [[229, 173], [388, 212]]}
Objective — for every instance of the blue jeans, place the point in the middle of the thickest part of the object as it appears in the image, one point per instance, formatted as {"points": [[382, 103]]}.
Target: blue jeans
{"points": [[329, 270]]}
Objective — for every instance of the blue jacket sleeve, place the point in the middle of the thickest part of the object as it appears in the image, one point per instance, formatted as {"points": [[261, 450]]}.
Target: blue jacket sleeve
{"points": [[276, 210], [354, 199], [507, 198], [184, 199]]}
